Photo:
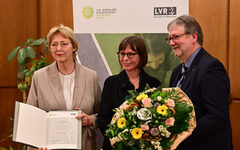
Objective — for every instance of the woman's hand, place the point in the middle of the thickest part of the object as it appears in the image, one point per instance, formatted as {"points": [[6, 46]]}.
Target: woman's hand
{"points": [[86, 119]]}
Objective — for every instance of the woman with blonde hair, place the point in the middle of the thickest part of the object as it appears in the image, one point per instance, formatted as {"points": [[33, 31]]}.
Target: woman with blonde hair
{"points": [[67, 85]]}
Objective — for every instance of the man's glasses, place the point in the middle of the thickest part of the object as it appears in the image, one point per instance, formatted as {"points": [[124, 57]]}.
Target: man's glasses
{"points": [[174, 37], [129, 55], [62, 45]]}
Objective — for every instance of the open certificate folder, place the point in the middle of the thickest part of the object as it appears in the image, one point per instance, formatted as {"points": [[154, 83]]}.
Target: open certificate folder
{"points": [[53, 130]]}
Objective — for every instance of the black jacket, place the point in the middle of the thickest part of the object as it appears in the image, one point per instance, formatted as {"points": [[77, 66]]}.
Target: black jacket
{"points": [[207, 85], [114, 91]]}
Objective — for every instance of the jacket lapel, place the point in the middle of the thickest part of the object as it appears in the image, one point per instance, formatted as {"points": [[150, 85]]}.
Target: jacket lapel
{"points": [[56, 87], [192, 69], [80, 85], [176, 76]]}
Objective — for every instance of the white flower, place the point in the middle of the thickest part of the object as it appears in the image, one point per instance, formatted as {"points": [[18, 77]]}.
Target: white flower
{"points": [[144, 114], [149, 90], [142, 145], [159, 98], [156, 145], [167, 134], [164, 131], [161, 128]]}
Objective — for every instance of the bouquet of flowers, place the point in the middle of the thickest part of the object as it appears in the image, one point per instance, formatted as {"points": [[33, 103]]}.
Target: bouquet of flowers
{"points": [[153, 119]]}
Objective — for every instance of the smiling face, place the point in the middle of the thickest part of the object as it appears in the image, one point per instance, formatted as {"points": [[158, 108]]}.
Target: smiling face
{"points": [[62, 49], [129, 64], [182, 44]]}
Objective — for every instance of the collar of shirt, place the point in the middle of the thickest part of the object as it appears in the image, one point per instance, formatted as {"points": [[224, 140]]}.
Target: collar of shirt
{"points": [[190, 60]]}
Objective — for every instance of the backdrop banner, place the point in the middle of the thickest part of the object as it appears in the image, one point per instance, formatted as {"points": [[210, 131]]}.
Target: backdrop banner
{"points": [[100, 26]]}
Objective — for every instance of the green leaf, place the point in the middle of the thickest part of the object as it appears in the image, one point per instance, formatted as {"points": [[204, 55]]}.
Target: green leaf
{"points": [[182, 111], [26, 72], [30, 40], [30, 52], [22, 55], [46, 49], [42, 64], [34, 43], [34, 62], [163, 94], [33, 69], [13, 53], [41, 40], [37, 42]]}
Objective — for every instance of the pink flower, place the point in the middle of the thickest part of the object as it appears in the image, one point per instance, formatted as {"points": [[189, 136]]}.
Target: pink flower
{"points": [[123, 106], [144, 127], [170, 103], [147, 102], [170, 121]]}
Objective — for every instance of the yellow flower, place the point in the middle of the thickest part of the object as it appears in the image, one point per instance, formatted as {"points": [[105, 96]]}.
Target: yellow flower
{"points": [[141, 97], [162, 110], [137, 133], [121, 122]]}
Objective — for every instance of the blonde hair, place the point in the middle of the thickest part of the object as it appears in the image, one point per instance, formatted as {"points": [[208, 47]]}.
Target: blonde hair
{"points": [[66, 32]]}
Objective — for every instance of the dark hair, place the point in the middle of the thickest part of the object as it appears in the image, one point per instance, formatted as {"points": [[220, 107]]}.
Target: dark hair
{"points": [[137, 44], [190, 25]]}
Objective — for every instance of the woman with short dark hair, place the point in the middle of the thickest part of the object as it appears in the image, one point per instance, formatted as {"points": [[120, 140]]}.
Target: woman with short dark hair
{"points": [[132, 55]]}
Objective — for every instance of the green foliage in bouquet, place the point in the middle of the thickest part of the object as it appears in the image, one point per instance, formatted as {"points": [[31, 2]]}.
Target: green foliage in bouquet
{"points": [[149, 120]]}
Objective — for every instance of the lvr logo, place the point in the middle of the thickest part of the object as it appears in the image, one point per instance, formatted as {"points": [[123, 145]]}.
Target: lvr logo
{"points": [[165, 10]]}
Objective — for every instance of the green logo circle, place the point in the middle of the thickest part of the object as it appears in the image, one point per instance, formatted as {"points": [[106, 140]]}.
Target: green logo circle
{"points": [[88, 12]]}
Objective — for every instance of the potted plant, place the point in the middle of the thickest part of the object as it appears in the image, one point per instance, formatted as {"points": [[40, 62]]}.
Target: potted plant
{"points": [[30, 57], [27, 63]]}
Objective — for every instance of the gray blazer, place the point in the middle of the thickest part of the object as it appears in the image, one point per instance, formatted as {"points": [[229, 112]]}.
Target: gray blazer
{"points": [[46, 93]]}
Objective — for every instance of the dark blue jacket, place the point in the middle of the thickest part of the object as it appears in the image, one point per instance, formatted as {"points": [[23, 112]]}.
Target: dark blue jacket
{"points": [[207, 85]]}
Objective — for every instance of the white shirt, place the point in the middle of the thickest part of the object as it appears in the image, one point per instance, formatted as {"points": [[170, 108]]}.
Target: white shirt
{"points": [[68, 83]]}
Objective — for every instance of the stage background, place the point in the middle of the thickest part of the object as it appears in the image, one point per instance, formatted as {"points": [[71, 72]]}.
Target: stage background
{"points": [[21, 19], [101, 25]]}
